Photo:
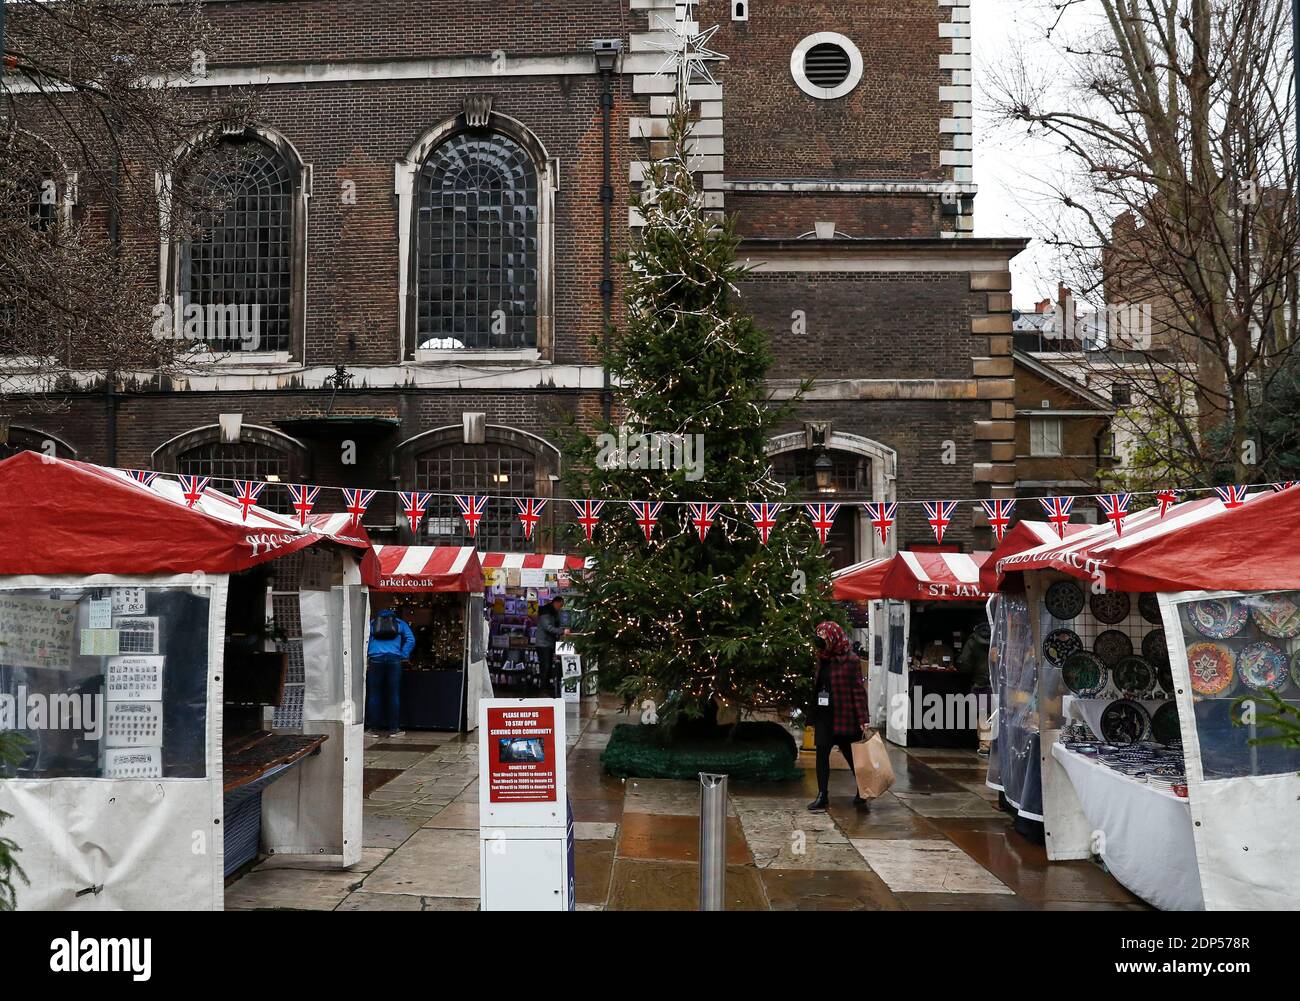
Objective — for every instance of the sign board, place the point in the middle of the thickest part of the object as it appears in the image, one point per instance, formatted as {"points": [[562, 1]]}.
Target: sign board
{"points": [[522, 756], [36, 632]]}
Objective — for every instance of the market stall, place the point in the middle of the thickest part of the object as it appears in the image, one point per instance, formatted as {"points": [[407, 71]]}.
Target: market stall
{"points": [[1149, 758], [187, 674], [438, 592]]}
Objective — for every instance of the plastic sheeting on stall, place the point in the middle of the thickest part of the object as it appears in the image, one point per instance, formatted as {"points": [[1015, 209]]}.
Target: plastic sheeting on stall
{"points": [[1013, 672]]}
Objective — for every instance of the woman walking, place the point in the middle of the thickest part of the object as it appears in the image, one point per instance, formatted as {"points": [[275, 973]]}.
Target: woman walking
{"points": [[839, 711]]}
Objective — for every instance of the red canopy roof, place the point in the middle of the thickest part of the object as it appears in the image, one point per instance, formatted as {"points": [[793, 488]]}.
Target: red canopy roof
{"points": [[1198, 545], [423, 568], [913, 576], [860, 582], [533, 561], [1021, 536], [65, 517]]}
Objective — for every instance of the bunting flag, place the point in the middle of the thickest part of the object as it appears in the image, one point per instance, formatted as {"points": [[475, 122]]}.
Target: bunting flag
{"points": [[355, 503], [588, 515], [882, 518], [999, 515], [1166, 499], [1058, 512], [1233, 496], [414, 505], [192, 488], [764, 516], [1115, 507], [647, 515], [703, 516], [823, 518], [471, 509], [939, 515], [304, 499], [530, 513], [142, 476], [1284, 485], [249, 491]]}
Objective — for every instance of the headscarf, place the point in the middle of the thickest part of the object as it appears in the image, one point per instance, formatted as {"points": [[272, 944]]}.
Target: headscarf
{"points": [[837, 642]]}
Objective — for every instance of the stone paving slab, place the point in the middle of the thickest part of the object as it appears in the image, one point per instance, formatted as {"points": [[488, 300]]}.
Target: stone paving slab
{"points": [[370, 858], [432, 863], [928, 866], [379, 830], [957, 804], [822, 890], [675, 886], [667, 797], [291, 889]]}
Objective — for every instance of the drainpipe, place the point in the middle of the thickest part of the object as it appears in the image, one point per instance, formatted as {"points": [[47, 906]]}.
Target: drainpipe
{"points": [[607, 52], [112, 399]]}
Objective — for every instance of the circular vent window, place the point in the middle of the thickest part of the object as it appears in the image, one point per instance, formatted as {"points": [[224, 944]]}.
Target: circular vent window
{"points": [[826, 65]]}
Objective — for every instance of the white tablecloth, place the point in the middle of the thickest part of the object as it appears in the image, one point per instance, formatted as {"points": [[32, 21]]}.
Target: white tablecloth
{"points": [[1146, 832]]}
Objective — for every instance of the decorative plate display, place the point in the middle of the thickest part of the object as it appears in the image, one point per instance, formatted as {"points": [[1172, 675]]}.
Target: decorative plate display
{"points": [[1165, 677], [1112, 646], [1134, 676], [1084, 674], [1154, 647], [1060, 644], [1218, 618], [1277, 615], [1263, 666], [1124, 722], [1295, 668], [1210, 666], [1149, 607], [1064, 599], [1110, 606]]}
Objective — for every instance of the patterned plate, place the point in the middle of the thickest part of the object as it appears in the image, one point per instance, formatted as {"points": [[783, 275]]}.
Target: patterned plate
{"points": [[1165, 676], [1210, 666], [1164, 724], [1149, 607], [1154, 647], [1064, 599], [1059, 644], [1276, 615], [1263, 666], [1110, 607], [1218, 618], [1124, 722], [1084, 674], [1112, 646], [1133, 676]]}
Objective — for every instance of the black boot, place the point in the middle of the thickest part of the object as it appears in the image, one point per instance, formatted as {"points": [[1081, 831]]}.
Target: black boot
{"points": [[859, 801], [820, 803]]}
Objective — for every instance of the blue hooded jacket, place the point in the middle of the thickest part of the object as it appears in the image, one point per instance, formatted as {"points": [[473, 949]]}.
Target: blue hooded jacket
{"points": [[400, 646]]}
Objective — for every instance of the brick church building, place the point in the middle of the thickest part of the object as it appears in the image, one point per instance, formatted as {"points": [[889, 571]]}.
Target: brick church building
{"points": [[433, 203]]}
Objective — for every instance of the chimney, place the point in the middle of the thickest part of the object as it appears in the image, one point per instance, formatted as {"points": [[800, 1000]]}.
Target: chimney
{"points": [[1043, 307]]}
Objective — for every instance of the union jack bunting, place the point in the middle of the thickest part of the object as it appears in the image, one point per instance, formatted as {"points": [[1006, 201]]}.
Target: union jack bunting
{"points": [[192, 488], [1115, 508], [823, 518], [355, 503], [1233, 496], [999, 515], [939, 515], [1284, 485], [882, 517], [248, 492], [530, 513], [1058, 512], [703, 517], [588, 515], [304, 499], [764, 516], [471, 509], [142, 476], [1166, 499], [647, 515], [414, 505]]}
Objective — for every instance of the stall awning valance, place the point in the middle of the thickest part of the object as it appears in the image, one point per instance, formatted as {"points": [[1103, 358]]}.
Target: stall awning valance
{"points": [[935, 577], [66, 517], [1021, 536], [423, 568], [534, 561]]}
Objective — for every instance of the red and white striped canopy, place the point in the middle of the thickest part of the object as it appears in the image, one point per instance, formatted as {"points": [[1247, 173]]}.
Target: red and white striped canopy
{"points": [[860, 582], [1198, 545], [935, 577], [534, 561], [424, 568], [1021, 536]]}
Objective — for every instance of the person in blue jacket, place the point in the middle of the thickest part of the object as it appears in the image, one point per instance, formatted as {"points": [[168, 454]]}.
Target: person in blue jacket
{"points": [[391, 642]]}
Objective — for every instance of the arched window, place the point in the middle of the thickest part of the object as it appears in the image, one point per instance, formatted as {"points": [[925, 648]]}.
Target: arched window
{"points": [[477, 253], [500, 471], [239, 262], [261, 454], [847, 477]]}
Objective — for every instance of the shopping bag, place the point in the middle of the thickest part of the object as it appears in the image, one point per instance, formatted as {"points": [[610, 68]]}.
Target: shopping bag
{"points": [[871, 766]]}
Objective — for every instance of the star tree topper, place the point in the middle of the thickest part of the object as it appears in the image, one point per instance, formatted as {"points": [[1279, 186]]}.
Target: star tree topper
{"points": [[689, 54]]}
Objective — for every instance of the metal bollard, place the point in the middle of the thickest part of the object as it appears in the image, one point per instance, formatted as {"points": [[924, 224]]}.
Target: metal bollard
{"points": [[713, 842]]}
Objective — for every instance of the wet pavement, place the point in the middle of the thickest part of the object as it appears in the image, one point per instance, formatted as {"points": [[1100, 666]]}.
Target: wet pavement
{"points": [[936, 841]]}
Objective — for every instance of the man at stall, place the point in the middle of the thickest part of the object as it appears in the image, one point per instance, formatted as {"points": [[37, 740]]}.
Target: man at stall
{"points": [[550, 627], [391, 642]]}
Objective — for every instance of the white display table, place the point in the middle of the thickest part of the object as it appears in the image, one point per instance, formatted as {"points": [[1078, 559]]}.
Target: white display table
{"points": [[1144, 833]]}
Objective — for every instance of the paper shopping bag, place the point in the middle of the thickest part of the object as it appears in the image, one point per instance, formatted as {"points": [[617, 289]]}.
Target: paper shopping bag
{"points": [[871, 767]]}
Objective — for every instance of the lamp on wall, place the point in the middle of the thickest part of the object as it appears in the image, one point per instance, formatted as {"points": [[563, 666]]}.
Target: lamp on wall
{"points": [[824, 473]]}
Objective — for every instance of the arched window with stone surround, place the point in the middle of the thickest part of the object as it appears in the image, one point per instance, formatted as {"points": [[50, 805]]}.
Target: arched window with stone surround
{"points": [[261, 455]]}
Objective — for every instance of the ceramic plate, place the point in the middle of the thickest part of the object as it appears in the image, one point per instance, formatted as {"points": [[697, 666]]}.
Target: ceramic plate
{"points": [[1263, 666], [1154, 647], [1165, 677], [1276, 615], [1210, 666], [1133, 676], [1125, 722], [1064, 599], [1149, 607], [1112, 646], [1084, 674], [1295, 668], [1217, 618], [1110, 606], [1061, 643]]}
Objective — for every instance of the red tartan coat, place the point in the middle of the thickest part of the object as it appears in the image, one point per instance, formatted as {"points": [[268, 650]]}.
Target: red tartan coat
{"points": [[848, 693]]}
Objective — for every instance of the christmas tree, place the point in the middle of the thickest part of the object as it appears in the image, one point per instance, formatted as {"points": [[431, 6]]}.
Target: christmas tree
{"points": [[693, 624]]}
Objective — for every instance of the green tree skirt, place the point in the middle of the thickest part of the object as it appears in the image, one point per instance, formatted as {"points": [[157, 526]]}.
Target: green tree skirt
{"points": [[754, 752]]}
